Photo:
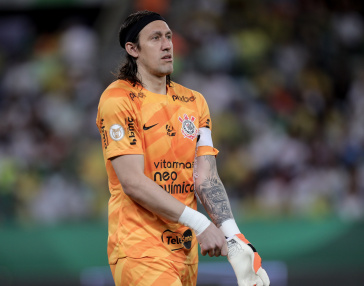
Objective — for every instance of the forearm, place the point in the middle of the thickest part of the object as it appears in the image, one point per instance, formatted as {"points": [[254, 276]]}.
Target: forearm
{"points": [[152, 197], [211, 191], [144, 191], [149, 195]]}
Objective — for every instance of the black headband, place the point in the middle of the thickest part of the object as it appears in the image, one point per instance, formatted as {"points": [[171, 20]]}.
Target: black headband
{"points": [[130, 34]]}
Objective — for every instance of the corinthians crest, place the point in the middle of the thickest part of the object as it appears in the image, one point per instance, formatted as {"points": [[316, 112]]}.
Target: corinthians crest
{"points": [[188, 129]]}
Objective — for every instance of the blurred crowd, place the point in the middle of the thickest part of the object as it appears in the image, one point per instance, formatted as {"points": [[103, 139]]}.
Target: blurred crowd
{"points": [[284, 80]]}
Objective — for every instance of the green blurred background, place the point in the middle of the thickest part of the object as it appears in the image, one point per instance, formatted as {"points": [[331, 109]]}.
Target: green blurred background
{"points": [[284, 80]]}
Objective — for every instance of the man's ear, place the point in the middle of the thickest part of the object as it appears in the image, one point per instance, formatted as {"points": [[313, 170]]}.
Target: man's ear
{"points": [[131, 49]]}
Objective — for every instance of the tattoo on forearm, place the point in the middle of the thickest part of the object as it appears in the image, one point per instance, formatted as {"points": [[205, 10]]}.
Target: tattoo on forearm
{"points": [[213, 195]]}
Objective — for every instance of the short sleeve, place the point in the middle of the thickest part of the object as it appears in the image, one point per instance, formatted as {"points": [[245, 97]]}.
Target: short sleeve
{"points": [[205, 118], [204, 143], [118, 124]]}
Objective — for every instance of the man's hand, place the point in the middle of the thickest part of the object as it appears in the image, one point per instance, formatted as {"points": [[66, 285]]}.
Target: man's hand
{"points": [[212, 242], [246, 262]]}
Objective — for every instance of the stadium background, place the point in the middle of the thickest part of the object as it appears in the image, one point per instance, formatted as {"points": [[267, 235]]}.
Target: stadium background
{"points": [[285, 83]]}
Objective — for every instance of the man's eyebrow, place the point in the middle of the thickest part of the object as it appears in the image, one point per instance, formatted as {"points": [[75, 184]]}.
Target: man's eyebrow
{"points": [[169, 32]]}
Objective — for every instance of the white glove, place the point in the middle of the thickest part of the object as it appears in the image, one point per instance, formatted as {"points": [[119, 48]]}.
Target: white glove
{"points": [[246, 262]]}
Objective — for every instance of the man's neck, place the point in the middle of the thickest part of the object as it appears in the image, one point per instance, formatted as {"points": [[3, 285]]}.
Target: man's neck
{"points": [[153, 83], [156, 86]]}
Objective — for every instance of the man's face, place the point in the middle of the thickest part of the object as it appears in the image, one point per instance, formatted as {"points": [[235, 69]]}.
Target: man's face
{"points": [[155, 53]]}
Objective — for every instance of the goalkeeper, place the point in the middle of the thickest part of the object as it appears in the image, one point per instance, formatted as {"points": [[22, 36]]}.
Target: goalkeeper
{"points": [[155, 133]]}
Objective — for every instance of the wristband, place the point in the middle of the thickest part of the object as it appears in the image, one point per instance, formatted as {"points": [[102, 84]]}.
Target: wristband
{"points": [[229, 228], [194, 219]]}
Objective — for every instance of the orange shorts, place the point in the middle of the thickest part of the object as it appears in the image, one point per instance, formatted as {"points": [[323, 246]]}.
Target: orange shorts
{"points": [[154, 271]]}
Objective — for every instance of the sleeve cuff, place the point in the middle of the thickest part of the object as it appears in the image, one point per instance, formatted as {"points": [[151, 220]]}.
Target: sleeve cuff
{"points": [[207, 150], [119, 152]]}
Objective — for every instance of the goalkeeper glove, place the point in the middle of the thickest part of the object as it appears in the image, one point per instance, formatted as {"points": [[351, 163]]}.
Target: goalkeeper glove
{"points": [[246, 262]]}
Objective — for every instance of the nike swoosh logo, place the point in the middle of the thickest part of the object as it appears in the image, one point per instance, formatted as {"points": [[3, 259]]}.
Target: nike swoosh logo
{"points": [[146, 128]]}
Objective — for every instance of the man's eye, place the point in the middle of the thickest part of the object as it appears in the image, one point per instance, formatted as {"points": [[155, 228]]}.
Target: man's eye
{"points": [[155, 37]]}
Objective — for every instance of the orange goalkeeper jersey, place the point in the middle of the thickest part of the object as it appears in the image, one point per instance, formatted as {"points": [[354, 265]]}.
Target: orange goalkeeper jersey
{"points": [[163, 128]]}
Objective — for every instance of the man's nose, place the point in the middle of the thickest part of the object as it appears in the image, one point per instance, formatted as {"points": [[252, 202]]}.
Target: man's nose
{"points": [[167, 44]]}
